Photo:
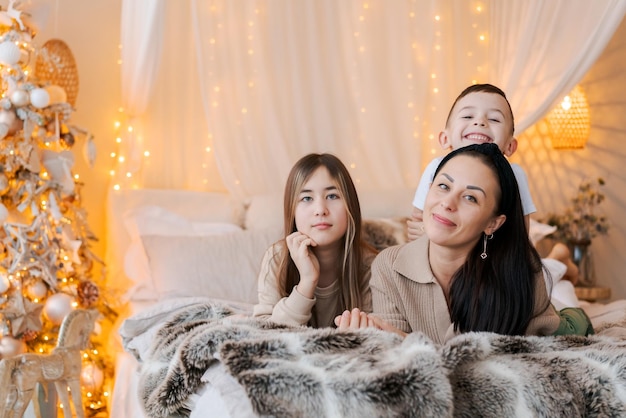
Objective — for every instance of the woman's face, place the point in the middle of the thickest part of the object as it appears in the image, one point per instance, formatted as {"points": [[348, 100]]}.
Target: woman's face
{"points": [[461, 203], [321, 211]]}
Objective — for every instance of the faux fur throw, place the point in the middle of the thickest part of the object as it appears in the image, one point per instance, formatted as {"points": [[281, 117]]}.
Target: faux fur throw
{"points": [[303, 372]]}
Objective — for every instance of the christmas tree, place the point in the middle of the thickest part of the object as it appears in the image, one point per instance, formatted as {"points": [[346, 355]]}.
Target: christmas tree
{"points": [[47, 267]]}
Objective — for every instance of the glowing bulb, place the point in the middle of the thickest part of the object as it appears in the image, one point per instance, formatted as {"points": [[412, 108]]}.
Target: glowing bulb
{"points": [[566, 104]]}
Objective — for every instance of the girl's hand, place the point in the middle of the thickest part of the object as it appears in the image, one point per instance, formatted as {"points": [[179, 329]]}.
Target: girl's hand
{"points": [[356, 319], [307, 263]]}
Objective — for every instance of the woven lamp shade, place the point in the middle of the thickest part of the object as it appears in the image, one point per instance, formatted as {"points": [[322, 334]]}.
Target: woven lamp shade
{"points": [[570, 122]]}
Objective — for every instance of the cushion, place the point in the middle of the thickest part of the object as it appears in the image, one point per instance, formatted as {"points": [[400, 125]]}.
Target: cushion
{"points": [[207, 207], [539, 231], [220, 266], [158, 221]]}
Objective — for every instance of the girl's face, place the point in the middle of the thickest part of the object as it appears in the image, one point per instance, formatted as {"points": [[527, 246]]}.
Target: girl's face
{"points": [[461, 203], [321, 212]]}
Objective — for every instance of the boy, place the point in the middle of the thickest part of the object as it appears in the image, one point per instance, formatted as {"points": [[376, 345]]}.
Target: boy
{"points": [[482, 113]]}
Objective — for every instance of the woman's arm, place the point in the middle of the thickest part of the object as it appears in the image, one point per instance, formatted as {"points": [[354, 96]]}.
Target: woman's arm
{"points": [[386, 298]]}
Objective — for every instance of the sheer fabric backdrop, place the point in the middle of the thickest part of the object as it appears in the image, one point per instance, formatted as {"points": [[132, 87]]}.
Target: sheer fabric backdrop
{"points": [[245, 88]]}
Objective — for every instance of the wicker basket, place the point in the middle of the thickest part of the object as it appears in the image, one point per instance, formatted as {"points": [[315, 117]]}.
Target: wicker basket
{"points": [[55, 65]]}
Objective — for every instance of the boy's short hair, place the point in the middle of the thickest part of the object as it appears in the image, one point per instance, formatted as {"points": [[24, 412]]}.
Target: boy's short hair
{"points": [[483, 88]]}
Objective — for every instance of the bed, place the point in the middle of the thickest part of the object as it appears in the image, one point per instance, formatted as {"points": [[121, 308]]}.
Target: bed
{"points": [[187, 264]]}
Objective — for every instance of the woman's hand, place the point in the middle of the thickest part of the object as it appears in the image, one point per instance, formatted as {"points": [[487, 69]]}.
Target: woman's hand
{"points": [[307, 263], [356, 319]]}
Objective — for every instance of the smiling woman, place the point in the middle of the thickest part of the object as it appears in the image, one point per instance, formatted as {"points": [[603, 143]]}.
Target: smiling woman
{"points": [[475, 268]]}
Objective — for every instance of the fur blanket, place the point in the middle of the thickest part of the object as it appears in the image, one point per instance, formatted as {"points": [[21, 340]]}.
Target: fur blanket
{"points": [[303, 372]]}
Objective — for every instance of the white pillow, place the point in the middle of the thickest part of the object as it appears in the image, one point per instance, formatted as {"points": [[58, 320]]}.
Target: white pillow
{"points": [[563, 294], [220, 266], [194, 206], [155, 220], [539, 231]]}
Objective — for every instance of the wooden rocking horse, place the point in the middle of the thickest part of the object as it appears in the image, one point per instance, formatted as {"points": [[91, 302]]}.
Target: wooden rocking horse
{"points": [[20, 374]]}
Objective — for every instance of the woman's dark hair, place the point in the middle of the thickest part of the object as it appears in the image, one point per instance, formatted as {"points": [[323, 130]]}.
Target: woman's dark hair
{"points": [[497, 294]]}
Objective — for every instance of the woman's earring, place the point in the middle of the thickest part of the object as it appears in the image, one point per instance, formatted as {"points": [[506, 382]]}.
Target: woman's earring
{"points": [[486, 237]]}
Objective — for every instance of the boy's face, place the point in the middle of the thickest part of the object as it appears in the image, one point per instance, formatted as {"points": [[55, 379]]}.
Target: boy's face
{"points": [[477, 118]]}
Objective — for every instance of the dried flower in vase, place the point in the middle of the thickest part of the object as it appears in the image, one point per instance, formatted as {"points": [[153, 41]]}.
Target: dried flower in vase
{"points": [[580, 222]]}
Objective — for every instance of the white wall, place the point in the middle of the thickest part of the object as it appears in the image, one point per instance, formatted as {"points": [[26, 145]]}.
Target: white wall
{"points": [[91, 29]]}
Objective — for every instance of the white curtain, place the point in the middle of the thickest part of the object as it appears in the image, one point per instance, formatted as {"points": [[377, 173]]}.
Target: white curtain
{"points": [[541, 49], [141, 40], [251, 86]]}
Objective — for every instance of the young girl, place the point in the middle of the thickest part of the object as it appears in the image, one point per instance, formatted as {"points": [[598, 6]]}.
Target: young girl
{"points": [[322, 266]]}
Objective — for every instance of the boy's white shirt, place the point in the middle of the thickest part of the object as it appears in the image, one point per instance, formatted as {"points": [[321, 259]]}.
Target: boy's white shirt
{"points": [[528, 205]]}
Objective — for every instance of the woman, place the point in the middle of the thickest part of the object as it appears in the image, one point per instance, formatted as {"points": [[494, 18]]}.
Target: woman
{"points": [[474, 269], [322, 266]]}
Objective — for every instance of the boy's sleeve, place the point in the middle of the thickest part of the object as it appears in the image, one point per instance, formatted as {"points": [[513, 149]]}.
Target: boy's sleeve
{"points": [[574, 321], [528, 206], [424, 184]]}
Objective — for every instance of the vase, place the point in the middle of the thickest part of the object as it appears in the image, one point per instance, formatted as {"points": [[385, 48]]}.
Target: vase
{"points": [[583, 258]]}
